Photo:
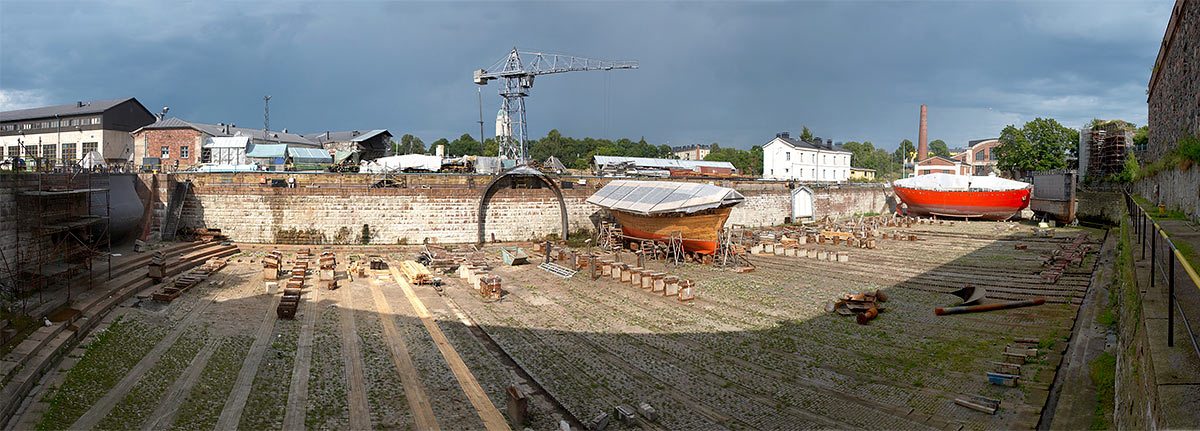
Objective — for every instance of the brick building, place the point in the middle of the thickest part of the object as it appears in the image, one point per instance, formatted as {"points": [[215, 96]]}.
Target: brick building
{"points": [[68, 132], [1174, 101], [171, 141]]}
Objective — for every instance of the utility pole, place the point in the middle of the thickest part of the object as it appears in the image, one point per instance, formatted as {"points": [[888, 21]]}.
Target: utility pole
{"points": [[266, 117], [482, 146]]}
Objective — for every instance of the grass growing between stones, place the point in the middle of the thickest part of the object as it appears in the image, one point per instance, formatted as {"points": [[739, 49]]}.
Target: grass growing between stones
{"points": [[141, 400], [112, 353], [1103, 371], [268, 395], [327, 407], [385, 391], [203, 405]]}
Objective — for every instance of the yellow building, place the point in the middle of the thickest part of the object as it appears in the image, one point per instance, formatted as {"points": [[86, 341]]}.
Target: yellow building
{"points": [[862, 174]]}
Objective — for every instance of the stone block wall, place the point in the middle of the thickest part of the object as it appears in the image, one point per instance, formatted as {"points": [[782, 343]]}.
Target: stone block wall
{"points": [[444, 208], [1174, 189], [1174, 102]]}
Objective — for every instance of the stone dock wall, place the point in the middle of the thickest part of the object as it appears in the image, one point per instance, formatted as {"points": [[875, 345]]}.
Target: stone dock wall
{"points": [[438, 208]]}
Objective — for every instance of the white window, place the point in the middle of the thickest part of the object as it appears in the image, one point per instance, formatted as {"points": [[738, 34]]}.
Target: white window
{"points": [[789, 155], [166, 152], [183, 152]]}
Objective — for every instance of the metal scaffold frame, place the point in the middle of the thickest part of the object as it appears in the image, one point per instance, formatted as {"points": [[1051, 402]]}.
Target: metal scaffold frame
{"points": [[65, 223]]}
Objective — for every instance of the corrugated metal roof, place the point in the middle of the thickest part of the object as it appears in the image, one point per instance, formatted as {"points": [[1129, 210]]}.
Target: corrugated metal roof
{"points": [[309, 155], [93, 107], [226, 131], [351, 136], [601, 161], [656, 197]]}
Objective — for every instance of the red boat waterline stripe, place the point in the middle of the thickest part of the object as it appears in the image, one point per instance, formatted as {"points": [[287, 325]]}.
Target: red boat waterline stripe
{"points": [[693, 245]]}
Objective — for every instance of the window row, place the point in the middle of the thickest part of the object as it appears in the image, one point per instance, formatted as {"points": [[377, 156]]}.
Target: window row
{"points": [[53, 124], [184, 152], [825, 158], [49, 150]]}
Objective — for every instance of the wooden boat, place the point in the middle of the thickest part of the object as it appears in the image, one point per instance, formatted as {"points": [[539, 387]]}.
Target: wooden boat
{"points": [[699, 230], [654, 210], [962, 196]]}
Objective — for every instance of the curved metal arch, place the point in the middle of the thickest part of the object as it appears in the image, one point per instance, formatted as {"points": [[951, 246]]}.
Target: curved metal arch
{"points": [[519, 172]]}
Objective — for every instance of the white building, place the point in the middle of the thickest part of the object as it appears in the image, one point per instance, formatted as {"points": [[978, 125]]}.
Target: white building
{"points": [[785, 158]]}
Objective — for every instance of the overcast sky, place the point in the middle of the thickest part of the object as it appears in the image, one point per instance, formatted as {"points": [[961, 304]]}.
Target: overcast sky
{"points": [[729, 72]]}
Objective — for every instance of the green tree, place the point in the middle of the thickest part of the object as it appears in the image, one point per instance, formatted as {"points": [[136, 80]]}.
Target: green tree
{"points": [[746, 162], [806, 135], [442, 141], [409, 144], [904, 151], [1040, 144], [938, 148]]}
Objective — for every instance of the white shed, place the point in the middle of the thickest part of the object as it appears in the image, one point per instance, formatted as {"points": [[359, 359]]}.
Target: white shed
{"points": [[230, 150]]}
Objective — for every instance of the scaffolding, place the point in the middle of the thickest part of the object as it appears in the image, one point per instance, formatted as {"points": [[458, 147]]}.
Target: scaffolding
{"points": [[65, 226], [1108, 145]]}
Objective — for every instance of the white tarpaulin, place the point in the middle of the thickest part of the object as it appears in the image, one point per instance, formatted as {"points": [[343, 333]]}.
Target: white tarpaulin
{"points": [[401, 163], [91, 160], [654, 197], [951, 182]]}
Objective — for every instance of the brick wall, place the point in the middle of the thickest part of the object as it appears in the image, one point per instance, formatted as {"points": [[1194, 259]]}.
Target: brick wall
{"points": [[443, 208], [175, 140], [1174, 102]]}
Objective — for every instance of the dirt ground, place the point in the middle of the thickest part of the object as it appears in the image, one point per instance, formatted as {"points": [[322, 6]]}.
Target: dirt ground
{"points": [[754, 350]]}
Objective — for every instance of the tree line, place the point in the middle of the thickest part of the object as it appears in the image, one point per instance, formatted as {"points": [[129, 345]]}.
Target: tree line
{"points": [[575, 153]]}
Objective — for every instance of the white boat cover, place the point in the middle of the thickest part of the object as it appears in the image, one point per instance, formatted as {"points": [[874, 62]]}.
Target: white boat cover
{"points": [[657, 197], [91, 160], [400, 163], [959, 183], [228, 168]]}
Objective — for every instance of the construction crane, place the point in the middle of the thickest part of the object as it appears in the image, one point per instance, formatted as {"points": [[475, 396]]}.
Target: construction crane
{"points": [[518, 79]]}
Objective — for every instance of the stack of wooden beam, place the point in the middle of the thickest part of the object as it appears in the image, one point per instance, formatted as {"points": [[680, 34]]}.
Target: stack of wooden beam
{"points": [[416, 272], [327, 264], [169, 292]]}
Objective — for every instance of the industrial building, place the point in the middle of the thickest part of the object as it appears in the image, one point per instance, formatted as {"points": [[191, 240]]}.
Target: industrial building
{"points": [[68, 132], [787, 158], [171, 141], [651, 167], [691, 152], [370, 144]]}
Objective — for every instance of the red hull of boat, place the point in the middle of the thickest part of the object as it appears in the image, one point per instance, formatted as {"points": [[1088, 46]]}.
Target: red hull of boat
{"points": [[1000, 205], [692, 245]]}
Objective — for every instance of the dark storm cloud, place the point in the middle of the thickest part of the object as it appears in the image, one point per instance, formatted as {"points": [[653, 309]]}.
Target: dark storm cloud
{"points": [[733, 73]]}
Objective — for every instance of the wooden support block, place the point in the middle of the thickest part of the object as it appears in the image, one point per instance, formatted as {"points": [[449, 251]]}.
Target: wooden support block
{"points": [[685, 290], [768, 248], [671, 285], [625, 273], [326, 275], [780, 249], [658, 282], [647, 279], [617, 269], [635, 276]]}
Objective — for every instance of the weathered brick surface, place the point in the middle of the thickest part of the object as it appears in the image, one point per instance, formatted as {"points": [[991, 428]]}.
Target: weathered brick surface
{"points": [[149, 143], [1174, 102]]}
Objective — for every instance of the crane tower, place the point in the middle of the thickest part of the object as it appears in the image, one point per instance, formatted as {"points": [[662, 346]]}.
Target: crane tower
{"points": [[518, 79]]}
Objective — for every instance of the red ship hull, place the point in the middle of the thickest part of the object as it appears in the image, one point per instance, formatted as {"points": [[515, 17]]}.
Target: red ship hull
{"points": [[998, 205]]}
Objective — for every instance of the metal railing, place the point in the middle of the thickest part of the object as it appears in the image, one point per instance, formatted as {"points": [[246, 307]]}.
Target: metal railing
{"points": [[1148, 232]]}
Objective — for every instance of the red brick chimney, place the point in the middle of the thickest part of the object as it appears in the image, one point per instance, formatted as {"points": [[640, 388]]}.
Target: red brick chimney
{"points": [[922, 139]]}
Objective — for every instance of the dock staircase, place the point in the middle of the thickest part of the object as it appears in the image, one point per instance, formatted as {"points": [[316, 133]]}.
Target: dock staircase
{"points": [[175, 209]]}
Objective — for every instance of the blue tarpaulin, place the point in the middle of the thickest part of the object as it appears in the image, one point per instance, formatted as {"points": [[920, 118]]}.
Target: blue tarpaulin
{"points": [[266, 151]]}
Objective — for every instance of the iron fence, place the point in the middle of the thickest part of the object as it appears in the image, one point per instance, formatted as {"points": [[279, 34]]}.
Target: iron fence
{"points": [[1164, 258]]}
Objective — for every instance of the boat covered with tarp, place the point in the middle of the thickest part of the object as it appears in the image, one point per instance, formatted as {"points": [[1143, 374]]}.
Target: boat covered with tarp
{"points": [[986, 197], [656, 210]]}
